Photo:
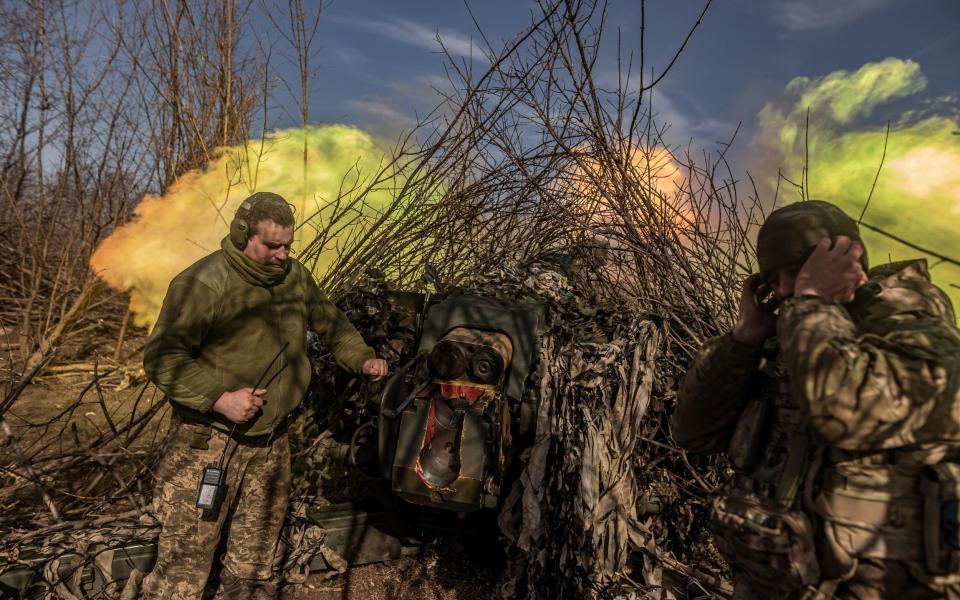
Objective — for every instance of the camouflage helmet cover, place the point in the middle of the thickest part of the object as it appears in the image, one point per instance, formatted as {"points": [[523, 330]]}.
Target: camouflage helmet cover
{"points": [[789, 234]]}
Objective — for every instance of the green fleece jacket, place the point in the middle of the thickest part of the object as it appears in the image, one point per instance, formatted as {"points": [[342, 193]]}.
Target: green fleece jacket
{"points": [[225, 318]]}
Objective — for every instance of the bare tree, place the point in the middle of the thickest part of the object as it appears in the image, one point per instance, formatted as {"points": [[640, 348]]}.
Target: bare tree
{"points": [[299, 31]]}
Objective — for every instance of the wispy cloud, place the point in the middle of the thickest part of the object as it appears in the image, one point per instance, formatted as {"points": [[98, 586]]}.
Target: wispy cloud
{"points": [[806, 15], [383, 112], [937, 45], [423, 91], [416, 34], [688, 120], [349, 56]]}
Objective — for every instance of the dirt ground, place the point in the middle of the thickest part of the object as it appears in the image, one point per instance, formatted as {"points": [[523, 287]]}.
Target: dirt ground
{"points": [[444, 569], [428, 576]]}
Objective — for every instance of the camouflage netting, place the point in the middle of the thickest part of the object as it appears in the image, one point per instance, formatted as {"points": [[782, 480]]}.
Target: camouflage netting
{"points": [[575, 514], [607, 500], [76, 482], [606, 504]]}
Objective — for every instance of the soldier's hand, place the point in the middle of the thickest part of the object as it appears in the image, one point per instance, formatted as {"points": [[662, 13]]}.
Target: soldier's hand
{"points": [[833, 271], [240, 406], [375, 368], [755, 323]]}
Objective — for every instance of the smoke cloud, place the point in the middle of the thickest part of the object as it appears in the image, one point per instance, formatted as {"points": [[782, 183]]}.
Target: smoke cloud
{"points": [[170, 232], [917, 194]]}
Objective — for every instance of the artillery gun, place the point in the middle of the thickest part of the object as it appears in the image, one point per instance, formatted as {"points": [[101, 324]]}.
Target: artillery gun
{"points": [[437, 443], [449, 424]]}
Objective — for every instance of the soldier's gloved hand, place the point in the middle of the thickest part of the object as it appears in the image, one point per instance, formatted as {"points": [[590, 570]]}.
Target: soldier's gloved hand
{"points": [[755, 323], [833, 271], [241, 405], [375, 368]]}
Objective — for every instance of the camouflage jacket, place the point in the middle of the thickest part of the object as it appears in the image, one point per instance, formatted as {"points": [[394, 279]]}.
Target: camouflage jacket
{"points": [[878, 374]]}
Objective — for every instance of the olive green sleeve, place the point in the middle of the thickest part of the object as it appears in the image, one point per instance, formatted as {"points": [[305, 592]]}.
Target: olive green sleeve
{"points": [[864, 391], [336, 331], [712, 394], [189, 310]]}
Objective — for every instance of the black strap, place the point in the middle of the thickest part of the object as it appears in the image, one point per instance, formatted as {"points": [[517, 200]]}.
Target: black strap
{"points": [[255, 388]]}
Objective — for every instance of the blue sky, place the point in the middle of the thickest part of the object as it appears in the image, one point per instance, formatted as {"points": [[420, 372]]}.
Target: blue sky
{"points": [[376, 63], [377, 60]]}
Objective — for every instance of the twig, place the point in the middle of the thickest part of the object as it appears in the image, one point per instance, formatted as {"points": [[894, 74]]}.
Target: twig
{"points": [[21, 385], [716, 585], [805, 179], [11, 439], [876, 177], [911, 244], [681, 48]]}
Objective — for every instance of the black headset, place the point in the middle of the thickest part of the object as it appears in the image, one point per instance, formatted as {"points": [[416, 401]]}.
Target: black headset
{"points": [[239, 228]]}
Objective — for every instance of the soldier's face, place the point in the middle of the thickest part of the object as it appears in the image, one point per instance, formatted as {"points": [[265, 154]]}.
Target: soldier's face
{"points": [[271, 244], [782, 283]]}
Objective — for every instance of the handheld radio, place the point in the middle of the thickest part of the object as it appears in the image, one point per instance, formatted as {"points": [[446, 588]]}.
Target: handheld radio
{"points": [[213, 479], [212, 488]]}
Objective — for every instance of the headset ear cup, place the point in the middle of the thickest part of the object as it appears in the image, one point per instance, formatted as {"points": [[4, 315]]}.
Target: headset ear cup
{"points": [[239, 233]]}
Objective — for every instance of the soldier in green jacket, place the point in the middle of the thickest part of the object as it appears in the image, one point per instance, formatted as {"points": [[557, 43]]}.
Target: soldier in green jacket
{"points": [[836, 399], [229, 350]]}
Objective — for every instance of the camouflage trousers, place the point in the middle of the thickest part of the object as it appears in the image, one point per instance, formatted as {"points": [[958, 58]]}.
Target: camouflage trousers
{"points": [[254, 505], [873, 580]]}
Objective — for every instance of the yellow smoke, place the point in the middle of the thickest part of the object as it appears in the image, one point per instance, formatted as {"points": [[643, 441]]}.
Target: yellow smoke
{"points": [[653, 169], [917, 195], [170, 232], [602, 202]]}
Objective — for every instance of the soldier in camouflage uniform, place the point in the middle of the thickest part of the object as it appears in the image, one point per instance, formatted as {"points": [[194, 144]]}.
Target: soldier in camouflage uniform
{"points": [[234, 321], [837, 403]]}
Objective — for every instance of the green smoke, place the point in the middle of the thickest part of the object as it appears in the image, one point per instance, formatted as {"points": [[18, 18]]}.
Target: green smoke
{"points": [[172, 231], [917, 194]]}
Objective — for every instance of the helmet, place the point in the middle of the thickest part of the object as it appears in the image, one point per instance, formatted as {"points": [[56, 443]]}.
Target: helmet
{"points": [[789, 234]]}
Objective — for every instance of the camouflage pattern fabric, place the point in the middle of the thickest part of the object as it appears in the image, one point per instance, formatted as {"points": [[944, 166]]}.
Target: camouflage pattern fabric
{"points": [[874, 580], [255, 503], [879, 579], [876, 384], [881, 373], [724, 369]]}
